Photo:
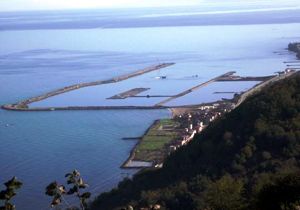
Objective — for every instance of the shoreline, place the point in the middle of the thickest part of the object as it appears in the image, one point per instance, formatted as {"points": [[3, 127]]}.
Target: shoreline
{"points": [[175, 111], [131, 156]]}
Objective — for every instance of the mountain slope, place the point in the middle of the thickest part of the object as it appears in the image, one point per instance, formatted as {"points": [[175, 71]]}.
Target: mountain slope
{"points": [[234, 164]]}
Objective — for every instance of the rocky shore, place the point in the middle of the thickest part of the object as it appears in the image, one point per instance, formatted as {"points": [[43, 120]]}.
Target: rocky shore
{"points": [[295, 47]]}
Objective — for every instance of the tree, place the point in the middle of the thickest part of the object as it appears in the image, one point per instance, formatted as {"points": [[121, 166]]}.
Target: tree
{"points": [[283, 194], [77, 183], [57, 191], [225, 194]]}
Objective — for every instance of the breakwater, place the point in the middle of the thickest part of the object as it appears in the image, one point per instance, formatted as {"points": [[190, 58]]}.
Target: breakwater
{"points": [[23, 105], [232, 78], [241, 98], [195, 88], [133, 162], [129, 93], [97, 108]]}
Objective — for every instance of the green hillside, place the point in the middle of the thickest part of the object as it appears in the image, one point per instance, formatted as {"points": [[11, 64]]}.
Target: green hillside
{"points": [[249, 159]]}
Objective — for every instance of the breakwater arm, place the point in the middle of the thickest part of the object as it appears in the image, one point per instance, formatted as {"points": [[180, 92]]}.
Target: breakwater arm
{"points": [[23, 105], [241, 98], [194, 88]]}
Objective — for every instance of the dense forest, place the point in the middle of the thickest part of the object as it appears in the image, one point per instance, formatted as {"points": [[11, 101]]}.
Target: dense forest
{"points": [[247, 159]]}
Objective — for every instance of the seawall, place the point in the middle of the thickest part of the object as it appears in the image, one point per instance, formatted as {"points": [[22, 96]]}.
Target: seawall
{"points": [[23, 105]]}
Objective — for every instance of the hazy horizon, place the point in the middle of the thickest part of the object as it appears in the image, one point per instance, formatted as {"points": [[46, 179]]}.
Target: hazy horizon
{"points": [[41, 5]]}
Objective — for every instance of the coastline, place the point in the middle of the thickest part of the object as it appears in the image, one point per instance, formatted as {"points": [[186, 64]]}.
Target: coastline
{"points": [[126, 164], [179, 111], [229, 104]]}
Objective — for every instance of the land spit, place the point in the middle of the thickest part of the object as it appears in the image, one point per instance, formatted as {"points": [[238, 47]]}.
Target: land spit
{"points": [[23, 105]]}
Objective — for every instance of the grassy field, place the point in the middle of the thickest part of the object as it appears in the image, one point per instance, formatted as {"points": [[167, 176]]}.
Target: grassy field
{"points": [[154, 145]]}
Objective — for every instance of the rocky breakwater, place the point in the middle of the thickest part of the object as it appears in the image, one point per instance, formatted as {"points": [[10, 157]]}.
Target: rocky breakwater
{"points": [[23, 105]]}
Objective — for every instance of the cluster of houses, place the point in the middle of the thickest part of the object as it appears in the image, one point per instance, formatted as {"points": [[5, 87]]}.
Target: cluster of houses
{"points": [[194, 122]]}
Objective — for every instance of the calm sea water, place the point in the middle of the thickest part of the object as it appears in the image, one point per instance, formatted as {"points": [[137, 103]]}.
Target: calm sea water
{"points": [[44, 51]]}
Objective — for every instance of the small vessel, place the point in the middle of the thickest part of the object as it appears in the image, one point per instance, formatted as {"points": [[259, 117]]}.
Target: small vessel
{"points": [[161, 77]]}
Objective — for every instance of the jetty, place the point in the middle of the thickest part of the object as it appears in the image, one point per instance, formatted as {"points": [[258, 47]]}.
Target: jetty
{"points": [[242, 97], [235, 78], [23, 105], [229, 76], [132, 138], [194, 88], [166, 136], [129, 93]]}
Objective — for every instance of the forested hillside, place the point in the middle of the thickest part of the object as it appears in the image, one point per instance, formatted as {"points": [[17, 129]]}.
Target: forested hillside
{"points": [[248, 159]]}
